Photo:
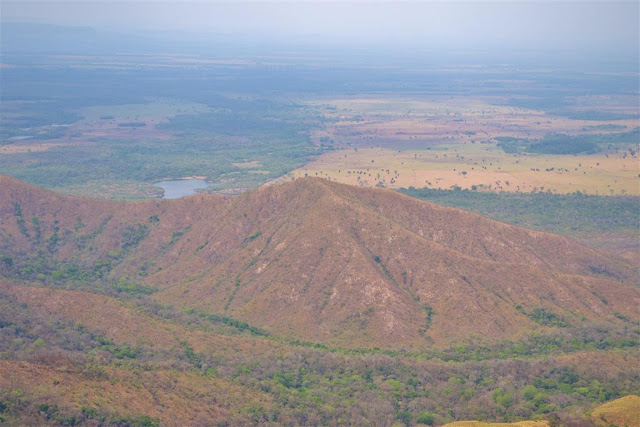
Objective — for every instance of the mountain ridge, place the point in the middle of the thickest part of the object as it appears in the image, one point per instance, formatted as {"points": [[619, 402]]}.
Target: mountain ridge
{"points": [[326, 262]]}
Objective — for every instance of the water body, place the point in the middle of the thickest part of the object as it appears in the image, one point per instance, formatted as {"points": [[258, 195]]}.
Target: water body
{"points": [[181, 187]]}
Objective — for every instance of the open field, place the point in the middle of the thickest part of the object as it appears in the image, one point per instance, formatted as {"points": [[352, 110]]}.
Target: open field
{"points": [[475, 143], [414, 121], [483, 167]]}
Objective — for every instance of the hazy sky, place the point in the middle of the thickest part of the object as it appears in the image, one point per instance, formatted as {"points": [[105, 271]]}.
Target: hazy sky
{"points": [[598, 25]]}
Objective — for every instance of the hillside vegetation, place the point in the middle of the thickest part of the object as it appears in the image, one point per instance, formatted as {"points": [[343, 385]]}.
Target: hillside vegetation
{"points": [[320, 261], [304, 303], [571, 214], [566, 144]]}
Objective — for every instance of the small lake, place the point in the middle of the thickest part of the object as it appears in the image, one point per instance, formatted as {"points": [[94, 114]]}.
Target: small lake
{"points": [[181, 187]]}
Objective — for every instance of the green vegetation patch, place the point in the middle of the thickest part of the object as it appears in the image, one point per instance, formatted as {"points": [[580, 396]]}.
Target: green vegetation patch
{"points": [[566, 144], [546, 318], [573, 214]]}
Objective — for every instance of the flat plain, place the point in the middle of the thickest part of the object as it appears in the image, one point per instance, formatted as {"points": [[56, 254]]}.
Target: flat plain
{"points": [[446, 143]]}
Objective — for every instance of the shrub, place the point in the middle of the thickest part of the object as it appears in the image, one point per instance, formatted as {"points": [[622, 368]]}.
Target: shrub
{"points": [[425, 418]]}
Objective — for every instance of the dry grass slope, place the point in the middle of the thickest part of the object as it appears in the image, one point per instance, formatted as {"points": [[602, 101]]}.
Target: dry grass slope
{"points": [[117, 321], [165, 395], [618, 413]]}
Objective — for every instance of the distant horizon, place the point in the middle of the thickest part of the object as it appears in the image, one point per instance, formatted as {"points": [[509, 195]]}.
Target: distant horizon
{"points": [[600, 27]]}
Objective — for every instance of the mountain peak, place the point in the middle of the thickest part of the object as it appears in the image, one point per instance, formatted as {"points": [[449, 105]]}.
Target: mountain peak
{"points": [[317, 260]]}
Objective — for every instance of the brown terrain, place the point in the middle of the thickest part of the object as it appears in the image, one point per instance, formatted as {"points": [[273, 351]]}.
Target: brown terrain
{"points": [[162, 394], [322, 261], [418, 122]]}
